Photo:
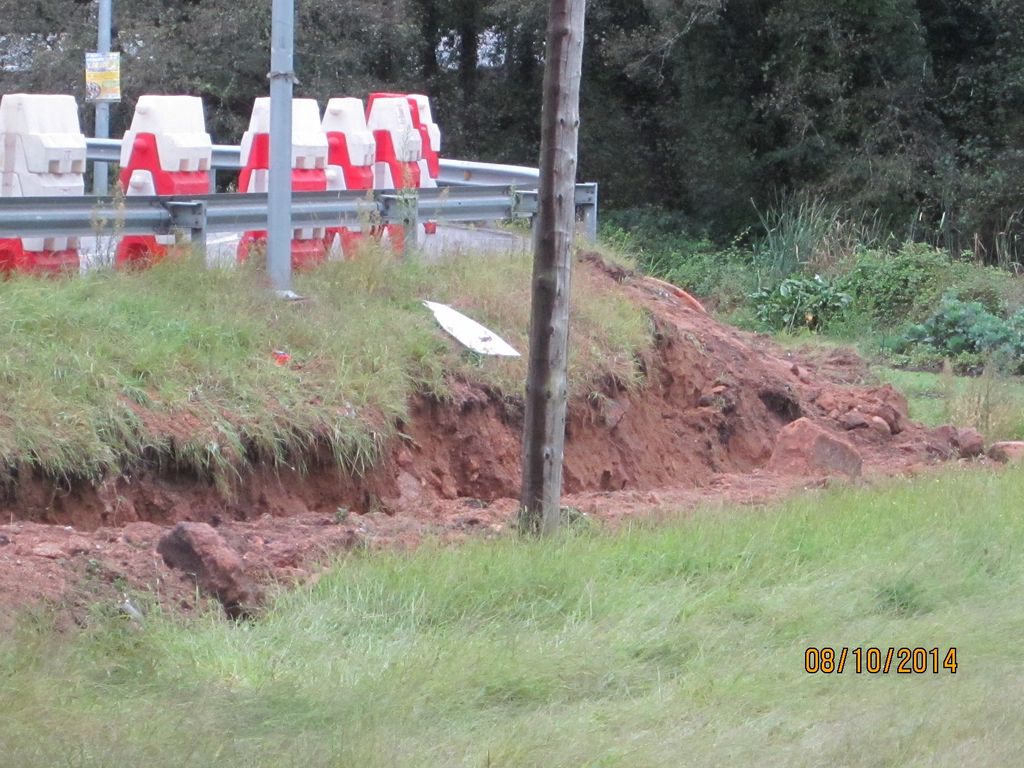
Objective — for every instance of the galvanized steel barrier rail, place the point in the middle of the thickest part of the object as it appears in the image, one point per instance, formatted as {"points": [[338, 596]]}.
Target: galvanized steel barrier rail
{"points": [[469, 191], [200, 215]]}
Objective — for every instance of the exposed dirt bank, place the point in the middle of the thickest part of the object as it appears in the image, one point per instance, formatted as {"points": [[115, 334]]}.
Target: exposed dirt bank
{"points": [[704, 428]]}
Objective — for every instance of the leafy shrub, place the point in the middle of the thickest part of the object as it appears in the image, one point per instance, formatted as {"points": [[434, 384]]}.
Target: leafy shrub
{"points": [[663, 248], [994, 288], [725, 276], [966, 329], [800, 302], [893, 286], [659, 239]]}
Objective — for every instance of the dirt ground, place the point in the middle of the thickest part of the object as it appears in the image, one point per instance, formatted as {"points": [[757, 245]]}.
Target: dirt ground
{"points": [[702, 431]]}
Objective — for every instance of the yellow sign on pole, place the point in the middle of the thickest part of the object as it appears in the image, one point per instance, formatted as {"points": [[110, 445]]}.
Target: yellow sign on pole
{"points": [[103, 77]]}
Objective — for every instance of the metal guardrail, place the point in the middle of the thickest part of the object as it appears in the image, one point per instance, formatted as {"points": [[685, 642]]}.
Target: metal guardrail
{"points": [[201, 215], [468, 191], [465, 172]]}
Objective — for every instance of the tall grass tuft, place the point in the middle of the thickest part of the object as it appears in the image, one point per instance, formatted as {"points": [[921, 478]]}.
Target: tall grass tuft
{"points": [[990, 402], [805, 233]]}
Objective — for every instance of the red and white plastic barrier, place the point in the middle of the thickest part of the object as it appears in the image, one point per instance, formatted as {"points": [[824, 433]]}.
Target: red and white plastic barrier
{"points": [[166, 151], [430, 134], [429, 163], [309, 172], [351, 152], [399, 144], [399, 150], [42, 154]]}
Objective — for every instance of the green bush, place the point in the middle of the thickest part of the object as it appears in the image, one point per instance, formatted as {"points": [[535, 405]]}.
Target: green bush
{"points": [[662, 247], [996, 289], [966, 330], [659, 240], [723, 275], [800, 302], [905, 284]]}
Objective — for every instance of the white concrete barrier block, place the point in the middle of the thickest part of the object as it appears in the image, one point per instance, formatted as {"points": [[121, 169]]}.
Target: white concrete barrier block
{"points": [[23, 183], [346, 116], [427, 119], [426, 182], [41, 134], [179, 125], [393, 115], [309, 142]]}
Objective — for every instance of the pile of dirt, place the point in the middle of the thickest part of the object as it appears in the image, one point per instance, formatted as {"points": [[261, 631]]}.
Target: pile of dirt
{"points": [[706, 425]]}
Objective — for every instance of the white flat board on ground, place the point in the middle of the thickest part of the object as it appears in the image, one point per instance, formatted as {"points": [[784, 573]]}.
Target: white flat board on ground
{"points": [[469, 332]]}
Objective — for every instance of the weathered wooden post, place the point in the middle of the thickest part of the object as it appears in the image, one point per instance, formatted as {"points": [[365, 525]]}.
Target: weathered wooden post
{"points": [[544, 428]]}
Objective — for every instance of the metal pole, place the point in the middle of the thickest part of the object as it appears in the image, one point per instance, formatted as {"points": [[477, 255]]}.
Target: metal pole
{"points": [[99, 170], [279, 199]]}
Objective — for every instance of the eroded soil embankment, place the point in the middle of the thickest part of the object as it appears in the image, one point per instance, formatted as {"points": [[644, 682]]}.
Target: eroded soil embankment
{"points": [[704, 426]]}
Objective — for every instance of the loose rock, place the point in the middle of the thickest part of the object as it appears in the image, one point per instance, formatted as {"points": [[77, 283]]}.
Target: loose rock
{"points": [[854, 420], [49, 550], [1010, 451], [880, 425], [804, 448], [970, 443], [199, 550]]}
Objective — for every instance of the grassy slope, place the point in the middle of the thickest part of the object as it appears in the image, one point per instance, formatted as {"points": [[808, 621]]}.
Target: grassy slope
{"points": [[671, 646], [83, 361], [994, 405]]}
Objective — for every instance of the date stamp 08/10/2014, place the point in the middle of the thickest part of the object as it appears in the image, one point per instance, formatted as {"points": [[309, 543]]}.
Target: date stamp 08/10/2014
{"points": [[873, 661]]}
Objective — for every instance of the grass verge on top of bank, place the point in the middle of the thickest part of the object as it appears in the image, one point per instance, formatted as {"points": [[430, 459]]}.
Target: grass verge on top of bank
{"points": [[173, 366]]}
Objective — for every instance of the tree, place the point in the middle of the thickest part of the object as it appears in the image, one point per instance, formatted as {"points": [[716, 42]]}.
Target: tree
{"points": [[546, 387]]}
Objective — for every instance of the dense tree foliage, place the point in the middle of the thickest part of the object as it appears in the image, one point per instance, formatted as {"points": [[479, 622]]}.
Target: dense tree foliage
{"points": [[911, 108]]}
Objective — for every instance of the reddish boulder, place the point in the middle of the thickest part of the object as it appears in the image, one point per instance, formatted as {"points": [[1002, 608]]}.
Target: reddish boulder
{"points": [[853, 420], [970, 442], [893, 398], [880, 425], [804, 448], [887, 404], [1010, 451], [198, 550]]}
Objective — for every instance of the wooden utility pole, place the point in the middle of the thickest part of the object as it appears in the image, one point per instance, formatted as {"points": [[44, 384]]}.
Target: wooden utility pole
{"points": [[544, 428]]}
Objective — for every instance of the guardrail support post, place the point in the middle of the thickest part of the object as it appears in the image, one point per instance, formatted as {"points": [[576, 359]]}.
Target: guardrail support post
{"points": [[589, 210], [190, 215], [401, 207], [411, 221]]}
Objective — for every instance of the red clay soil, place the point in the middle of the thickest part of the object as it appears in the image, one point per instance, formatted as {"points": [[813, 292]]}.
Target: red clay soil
{"points": [[701, 430]]}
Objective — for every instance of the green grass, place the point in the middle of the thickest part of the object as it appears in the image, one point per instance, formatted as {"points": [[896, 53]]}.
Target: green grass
{"points": [[667, 646], [992, 404], [172, 367]]}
